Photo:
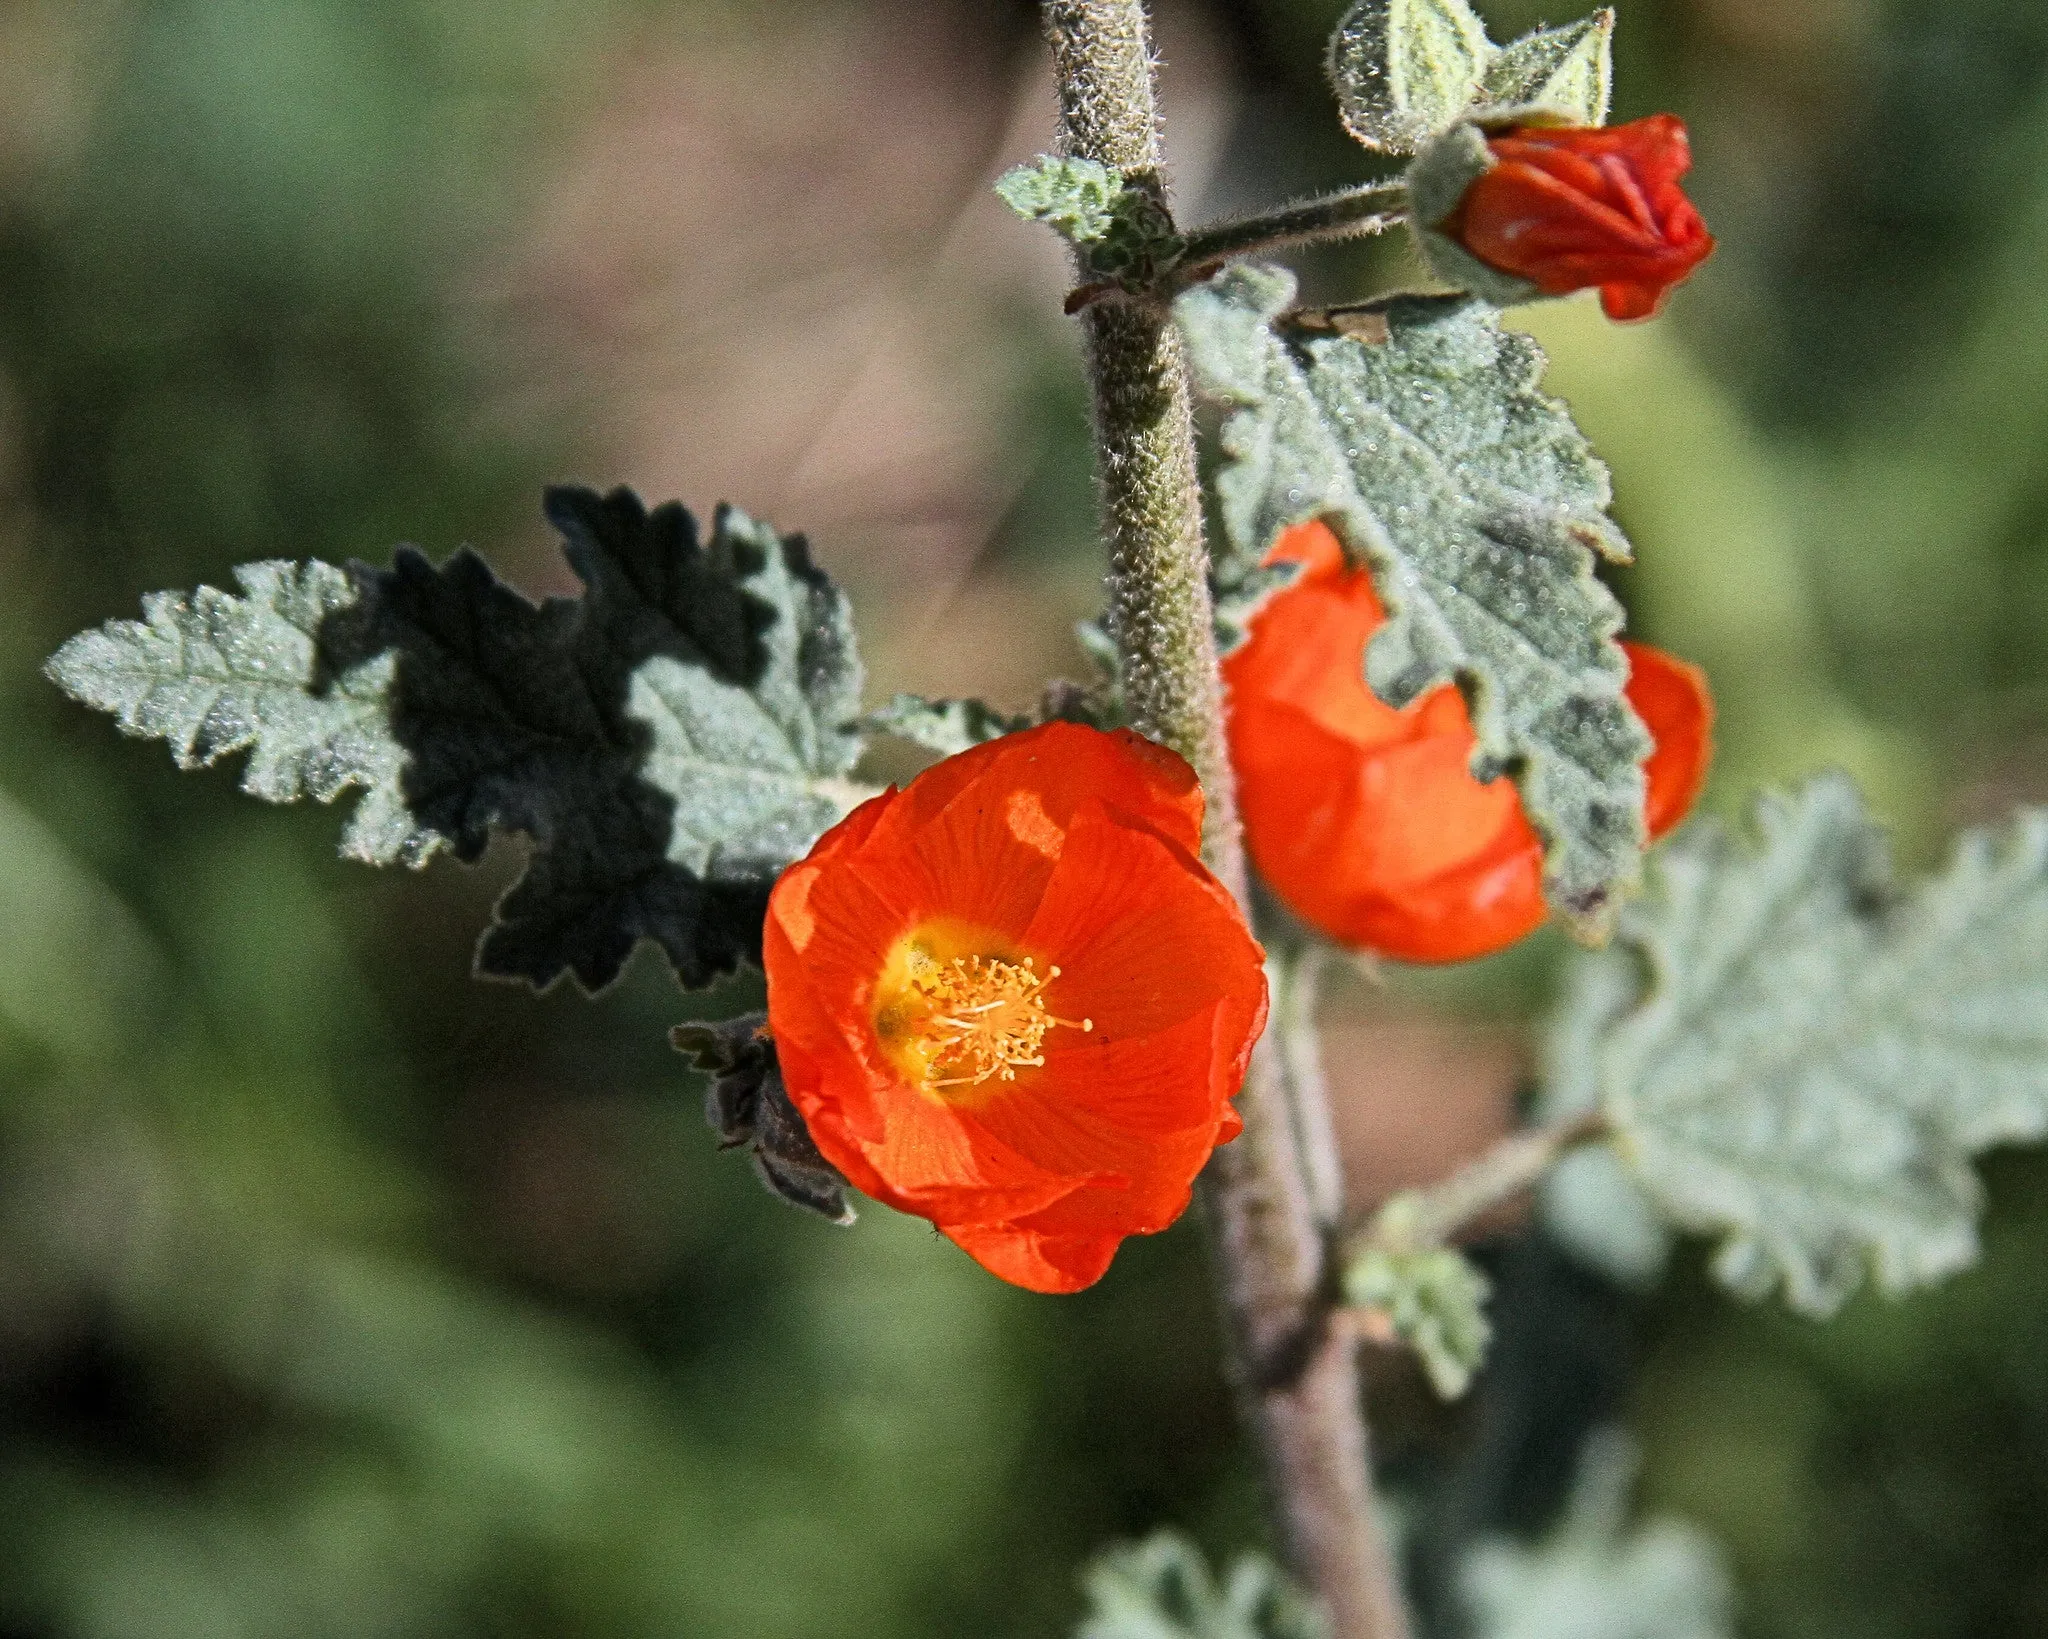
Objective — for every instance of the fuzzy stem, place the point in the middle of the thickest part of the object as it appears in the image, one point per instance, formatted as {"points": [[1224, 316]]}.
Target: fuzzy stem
{"points": [[1352, 214], [1295, 1371], [1430, 1217]]}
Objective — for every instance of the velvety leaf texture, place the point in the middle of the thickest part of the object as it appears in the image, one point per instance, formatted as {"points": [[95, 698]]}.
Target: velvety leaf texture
{"points": [[1570, 69], [1434, 1300], [669, 741], [1162, 1588], [1478, 507], [945, 726], [1405, 69], [1803, 1061]]}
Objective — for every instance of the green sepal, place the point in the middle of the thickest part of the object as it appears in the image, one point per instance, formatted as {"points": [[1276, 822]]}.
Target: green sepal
{"points": [[1405, 69], [670, 740], [1446, 167], [1567, 71], [1800, 1060]]}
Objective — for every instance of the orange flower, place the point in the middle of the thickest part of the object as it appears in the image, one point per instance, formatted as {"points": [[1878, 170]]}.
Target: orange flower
{"points": [[1568, 207], [1366, 821], [1008, 998]]}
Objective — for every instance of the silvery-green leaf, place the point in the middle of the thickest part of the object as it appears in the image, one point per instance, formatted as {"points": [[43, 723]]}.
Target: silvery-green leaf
{"points": [[1162, 1588], [669, 741], [1596, 1578], [1479, 509], [945, 726], [1569, 69], [1405, 69], [1800, 1060], [1076, 198], [1434, 1300]]}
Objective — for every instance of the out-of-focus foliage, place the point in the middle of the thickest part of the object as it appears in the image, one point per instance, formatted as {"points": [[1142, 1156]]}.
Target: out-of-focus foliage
{"points": [[1162, 1588], [340, 1294], [1802, 1060]]}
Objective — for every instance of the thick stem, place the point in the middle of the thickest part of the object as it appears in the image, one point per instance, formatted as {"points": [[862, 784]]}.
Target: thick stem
{"points": [[1296, 1372], [1352, 214]]}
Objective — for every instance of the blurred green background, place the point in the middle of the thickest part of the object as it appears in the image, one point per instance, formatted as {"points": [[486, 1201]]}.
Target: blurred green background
{"points": [[340, 1295]]}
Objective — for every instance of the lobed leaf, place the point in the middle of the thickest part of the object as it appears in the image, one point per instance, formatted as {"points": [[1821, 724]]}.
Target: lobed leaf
{"points": [[1479, 509], [669, 741], [1433, 1300], [1802, 1061], [1569, 69], [1162, 1588], [1405, 69]]}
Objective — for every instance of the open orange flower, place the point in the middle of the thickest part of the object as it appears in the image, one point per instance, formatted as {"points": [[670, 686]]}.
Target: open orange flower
{"points": [[1366, 821], [1008, 998], [1569, 207]]}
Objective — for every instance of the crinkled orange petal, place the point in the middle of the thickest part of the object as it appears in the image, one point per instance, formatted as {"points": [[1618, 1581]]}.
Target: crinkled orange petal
{"points": [[1072, 846], [1366, 821]]}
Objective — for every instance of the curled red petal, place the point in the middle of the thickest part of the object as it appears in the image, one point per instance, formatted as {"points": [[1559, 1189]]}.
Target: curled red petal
{"points": [[1573, 208]]}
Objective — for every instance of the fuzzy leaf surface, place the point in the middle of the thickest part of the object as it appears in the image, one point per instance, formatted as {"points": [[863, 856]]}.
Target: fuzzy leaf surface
{"points": [[1405, 69], [1802, 1060], [945, 726], [1162, 1588], [669, 741], [1434, 1300], [1479, 509], [1569, 68]]}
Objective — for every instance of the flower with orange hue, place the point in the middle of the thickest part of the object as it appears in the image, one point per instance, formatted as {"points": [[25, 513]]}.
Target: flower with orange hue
{"points": [[1009, 998], [1570, 207], [1366, 821]]}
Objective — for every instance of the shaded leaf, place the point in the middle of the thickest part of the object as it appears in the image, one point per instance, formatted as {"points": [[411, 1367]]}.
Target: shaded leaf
{"points": [[669, 741], [1479, 509], [1162, 1588], [1433, 1300], [747, 1104], [1802, 1061], [1595, 1578], [1405, 69], [1570, 69]]}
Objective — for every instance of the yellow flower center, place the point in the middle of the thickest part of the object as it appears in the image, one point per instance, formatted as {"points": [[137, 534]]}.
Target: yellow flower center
{"points": [[964, 1020]]}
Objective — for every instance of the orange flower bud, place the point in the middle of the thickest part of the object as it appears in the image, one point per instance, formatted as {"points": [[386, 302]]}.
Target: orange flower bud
{"points": [[1572, 207], [1009, 999], [1366, 821]]}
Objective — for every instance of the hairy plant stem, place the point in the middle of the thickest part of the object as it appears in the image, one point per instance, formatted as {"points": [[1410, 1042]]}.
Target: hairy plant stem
{"points": [[1430, 1217], [1295, 1371], [1352, 214]]}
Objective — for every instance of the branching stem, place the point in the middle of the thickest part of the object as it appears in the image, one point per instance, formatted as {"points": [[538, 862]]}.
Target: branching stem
{"points": [[1352, 214], [1296, 1371], [1431, 1217]]}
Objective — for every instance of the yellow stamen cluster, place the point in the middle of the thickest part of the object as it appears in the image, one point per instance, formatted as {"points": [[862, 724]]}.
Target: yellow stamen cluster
{"points": [[987, 1018]]}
